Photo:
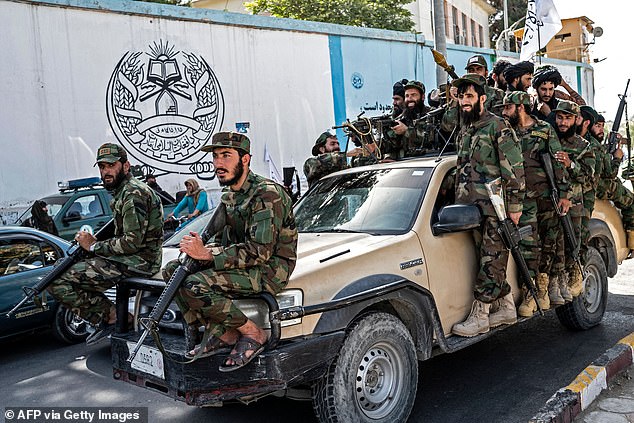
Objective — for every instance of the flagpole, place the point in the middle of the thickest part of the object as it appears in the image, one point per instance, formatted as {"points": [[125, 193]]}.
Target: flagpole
{"points": [[539, 42]]}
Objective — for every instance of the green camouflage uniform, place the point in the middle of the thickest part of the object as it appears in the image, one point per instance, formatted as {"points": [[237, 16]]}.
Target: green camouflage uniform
{"points": [[324, 164], [260, 256], [590, 187], [538, 210], [581, 176], [135, 250], [488, 149]]}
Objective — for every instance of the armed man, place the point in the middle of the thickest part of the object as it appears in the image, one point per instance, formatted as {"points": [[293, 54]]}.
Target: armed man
{"points": [[398, 98], [134, 250], [536, 137], [408, 138], [609, 186], [327, 158], [519, 76], [260, 255], [545, 81], [579, 161], [487, 149]]}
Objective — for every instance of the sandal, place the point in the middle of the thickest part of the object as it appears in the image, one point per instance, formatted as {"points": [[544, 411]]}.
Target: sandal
{"points": [[213, 346], [239, 357]]}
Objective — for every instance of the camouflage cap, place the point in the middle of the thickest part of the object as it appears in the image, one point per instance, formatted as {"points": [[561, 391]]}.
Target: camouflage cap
{"points": [[229, 140], [321, 141], [111, 153], [470, 78], [567, 107], [477, 60], [517, 97], [416, 85]]}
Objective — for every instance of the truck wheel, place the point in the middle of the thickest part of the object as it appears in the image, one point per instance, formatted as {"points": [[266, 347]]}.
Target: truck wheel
{"points": [[587, 309], [68, 327], [374, 377]]}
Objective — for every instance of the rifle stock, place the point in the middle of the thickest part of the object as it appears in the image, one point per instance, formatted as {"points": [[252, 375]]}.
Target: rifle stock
{"points": [[188, 266], [75, 253]]}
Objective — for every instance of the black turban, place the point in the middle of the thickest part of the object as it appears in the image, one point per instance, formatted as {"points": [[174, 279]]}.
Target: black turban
{"points": [[546, 73], [517, 70], [399, 88]]}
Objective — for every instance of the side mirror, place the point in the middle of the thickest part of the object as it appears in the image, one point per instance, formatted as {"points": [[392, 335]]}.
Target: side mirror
{"points": [[457, 218], [71, 216]]}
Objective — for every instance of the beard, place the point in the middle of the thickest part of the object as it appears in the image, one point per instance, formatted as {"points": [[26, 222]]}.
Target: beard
{"points": [[238, 171], [599, 136], [118, 178], [502, 85], [514, 119], [411, 113], [567, 134], [471, 116]]}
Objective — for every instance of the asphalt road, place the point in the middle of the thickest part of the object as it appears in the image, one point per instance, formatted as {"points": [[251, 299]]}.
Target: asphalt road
{"points": [[505, 378]]}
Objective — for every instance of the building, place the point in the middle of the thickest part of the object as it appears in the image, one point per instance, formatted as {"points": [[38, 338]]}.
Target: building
{"points": [[466, 21], [572, 42]]}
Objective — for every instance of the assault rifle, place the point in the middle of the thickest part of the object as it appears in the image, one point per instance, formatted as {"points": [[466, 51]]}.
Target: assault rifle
{"points": [[572, 244], [613, 143], [74, 254], [511, 236], [188, 266], [361, 130], [290, 174]]}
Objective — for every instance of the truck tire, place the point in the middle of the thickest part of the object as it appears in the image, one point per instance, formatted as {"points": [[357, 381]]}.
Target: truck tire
{"points": [[374, 377], [68, 327], [586, 310]]}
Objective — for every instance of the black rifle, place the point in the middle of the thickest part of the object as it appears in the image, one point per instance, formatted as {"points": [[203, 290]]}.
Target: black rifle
{"points": [[188, 266], [511, 236], [74, 254], [613, 143], [572, 243], [290, 173]]}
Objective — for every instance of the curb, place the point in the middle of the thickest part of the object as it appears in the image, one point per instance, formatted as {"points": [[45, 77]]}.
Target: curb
{"points": [[568, 402]]}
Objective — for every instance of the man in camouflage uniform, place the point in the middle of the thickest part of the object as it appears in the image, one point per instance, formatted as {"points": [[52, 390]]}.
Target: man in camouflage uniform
{"points": [[537, 137], [545, 81], [487, 149], [478, 65], [610, 187], [579, 161], [260, 255], [327, 158], [409, 137], [134, 250]]}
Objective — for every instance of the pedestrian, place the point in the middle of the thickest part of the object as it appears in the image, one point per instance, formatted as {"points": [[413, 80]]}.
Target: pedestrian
{"points": [[134, 250], [487, 149], [195, 201], [260, 256]]}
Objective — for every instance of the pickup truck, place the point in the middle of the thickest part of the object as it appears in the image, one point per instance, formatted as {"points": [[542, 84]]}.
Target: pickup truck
{"points": [[383, 273]]}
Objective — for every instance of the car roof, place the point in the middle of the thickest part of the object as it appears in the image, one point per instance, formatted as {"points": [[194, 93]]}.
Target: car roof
{"points": [[23, 230]]}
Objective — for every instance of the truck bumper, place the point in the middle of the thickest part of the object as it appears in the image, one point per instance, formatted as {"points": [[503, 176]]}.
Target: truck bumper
{"points": [[291, 363]]}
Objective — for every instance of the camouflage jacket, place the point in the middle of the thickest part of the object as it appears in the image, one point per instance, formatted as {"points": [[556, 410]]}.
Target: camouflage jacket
{"points": [[317, 167], [582, 173], [535, 140], [602, 165], [489, 149], [408, 144], [263, 234], [138, 217], [451, 118]]}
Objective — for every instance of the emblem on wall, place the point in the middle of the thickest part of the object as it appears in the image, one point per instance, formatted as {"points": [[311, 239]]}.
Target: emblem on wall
{"points": [[163, 105]]}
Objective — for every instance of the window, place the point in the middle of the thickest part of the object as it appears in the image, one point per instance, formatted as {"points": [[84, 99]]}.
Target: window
{"points": [[474, 41], [464, 40], [447, 20], [85, 207], [481, 32], [19, 255], [456, 25]]}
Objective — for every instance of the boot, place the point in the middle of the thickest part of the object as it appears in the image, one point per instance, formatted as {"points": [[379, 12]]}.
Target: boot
{"points": [[505, 314], [542, 291], [553, 292], [563, 287], [575, 284], [528, 306], [476, 323]]}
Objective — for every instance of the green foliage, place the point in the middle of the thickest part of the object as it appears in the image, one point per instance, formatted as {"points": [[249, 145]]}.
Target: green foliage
{"points": [[516, 11], [384, 14]]}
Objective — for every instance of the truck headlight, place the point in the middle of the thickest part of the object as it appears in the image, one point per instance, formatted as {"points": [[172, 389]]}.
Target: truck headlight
{"points": [[290, 298]]}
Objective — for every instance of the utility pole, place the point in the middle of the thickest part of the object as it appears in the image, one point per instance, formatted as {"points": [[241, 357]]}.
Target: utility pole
{"points": [[440, 40], [506, 26]]}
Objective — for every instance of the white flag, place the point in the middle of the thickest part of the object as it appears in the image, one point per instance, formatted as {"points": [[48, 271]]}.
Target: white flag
{"points": [[274, 174], [542, 24]]}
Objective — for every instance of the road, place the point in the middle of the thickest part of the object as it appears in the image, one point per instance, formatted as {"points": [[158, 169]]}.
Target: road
{"points": [[505, 378]]}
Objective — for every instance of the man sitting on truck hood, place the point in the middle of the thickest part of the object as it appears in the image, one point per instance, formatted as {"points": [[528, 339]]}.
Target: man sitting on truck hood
{"points": [[260, 255]]}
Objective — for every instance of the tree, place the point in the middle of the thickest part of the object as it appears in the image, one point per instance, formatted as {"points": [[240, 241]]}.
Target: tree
{"points": [[516, 11], [383, 14]]}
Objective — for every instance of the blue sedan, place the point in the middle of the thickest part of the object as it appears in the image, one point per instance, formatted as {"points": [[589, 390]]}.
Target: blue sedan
{"points": [[26, 255]]}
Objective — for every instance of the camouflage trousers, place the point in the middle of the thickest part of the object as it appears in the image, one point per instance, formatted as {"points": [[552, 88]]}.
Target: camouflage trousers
{"points": [[529, 245], [622, 197], [588, 207], [81, 288], [204, 297], [552, 255], [491, 282]]}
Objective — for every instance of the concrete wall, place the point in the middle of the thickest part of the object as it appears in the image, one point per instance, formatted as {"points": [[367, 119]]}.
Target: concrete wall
{"points": [[78, 74]]}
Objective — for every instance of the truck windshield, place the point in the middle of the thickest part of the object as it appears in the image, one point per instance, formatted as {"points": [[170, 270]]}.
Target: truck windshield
{"points": [[55, 203], [384, 201]]}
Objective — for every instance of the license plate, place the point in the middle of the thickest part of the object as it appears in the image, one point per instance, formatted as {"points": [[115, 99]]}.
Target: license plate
{"points": [[148, 360]]}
